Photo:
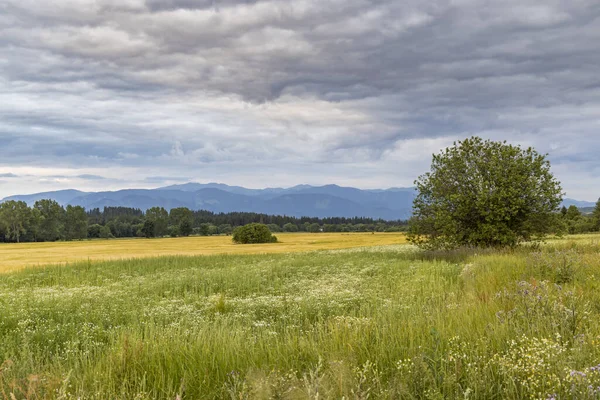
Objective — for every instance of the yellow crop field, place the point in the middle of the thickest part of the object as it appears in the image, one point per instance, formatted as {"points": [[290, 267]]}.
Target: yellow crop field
{"points": [[17, 256]]}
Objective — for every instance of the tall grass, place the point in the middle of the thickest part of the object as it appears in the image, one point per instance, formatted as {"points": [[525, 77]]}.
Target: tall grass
{"points": [[385, 322]]}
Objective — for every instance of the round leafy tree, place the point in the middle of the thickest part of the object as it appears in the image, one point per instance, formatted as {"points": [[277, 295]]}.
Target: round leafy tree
{"points": [[484, 194], [253, 233]]}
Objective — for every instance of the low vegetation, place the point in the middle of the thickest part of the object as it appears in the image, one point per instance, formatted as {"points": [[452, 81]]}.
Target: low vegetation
{"points": [[253, 234], [381, 322], [14, 256]]}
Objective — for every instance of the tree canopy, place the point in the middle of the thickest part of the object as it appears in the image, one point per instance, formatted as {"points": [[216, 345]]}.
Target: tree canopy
{"points": [[253, 233], [596, 216], [484, 193], [14, 218]]}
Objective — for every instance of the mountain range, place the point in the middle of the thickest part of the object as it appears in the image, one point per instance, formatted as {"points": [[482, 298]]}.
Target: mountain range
{"points": [[297, 201]]}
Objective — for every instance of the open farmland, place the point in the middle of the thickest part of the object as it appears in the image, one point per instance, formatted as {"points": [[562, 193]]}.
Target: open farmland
{"points": [[382, 322], [16, 256]]}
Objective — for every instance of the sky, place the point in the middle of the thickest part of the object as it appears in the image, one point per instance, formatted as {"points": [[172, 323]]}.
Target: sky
{"points": [[110, 94]]}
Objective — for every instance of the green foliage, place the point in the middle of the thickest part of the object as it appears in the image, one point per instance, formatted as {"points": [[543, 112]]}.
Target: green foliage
{"points": [[331, 228], [97, 231], [173, 231], [204, 229], [94, 231], [105, 233], [185, 227], [289, 227], [274, 227], [225, 229], [182, 220], [572, 212], [484, 193], [51, 220], [575, 222], [76, 223], [596, 216], [160, 219], [314, 228], [252, 234], [149, 229], [580, 224], [15, 217]]}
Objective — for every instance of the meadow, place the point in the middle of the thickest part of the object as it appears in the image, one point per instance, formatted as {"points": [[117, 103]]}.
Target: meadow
{"points": [[378, 322], [19, 255]]}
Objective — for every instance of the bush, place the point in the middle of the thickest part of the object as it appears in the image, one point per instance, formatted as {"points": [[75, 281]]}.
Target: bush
{"points": [[484, 194], [253, 233]]}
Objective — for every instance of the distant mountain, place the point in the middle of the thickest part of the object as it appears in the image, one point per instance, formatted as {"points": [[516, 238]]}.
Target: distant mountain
{"points": [[578, 203], [135, 198], [297, 201], [63, 197]]}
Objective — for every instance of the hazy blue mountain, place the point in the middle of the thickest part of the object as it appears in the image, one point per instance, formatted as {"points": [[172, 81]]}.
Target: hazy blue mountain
{"points": [[301, 200], [194, 187], [218, 200], [578, 203], [61, 196], [319, 205], [136, 198]]}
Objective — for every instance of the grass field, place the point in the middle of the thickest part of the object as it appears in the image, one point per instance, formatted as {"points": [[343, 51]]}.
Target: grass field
{"points": [[16, 256], [385, 322]]}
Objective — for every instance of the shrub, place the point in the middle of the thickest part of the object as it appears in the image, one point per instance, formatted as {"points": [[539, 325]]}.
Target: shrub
{"points": [[253, 233], [484, 194]]}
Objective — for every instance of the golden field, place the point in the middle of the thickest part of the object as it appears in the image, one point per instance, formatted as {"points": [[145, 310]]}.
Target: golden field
{"points": [[20, 255]]}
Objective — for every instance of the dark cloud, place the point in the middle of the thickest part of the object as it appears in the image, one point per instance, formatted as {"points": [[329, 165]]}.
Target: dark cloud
{"points": [[222, 88], [8, 175]]}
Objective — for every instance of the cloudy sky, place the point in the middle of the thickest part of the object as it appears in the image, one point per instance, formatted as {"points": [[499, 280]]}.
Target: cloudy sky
{"points": [[108, 94]]}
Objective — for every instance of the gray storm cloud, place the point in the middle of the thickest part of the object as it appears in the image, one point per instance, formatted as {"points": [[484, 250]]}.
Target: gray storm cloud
{"points": [[278, 93]]}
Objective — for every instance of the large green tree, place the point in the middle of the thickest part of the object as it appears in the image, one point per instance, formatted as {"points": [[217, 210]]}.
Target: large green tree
{"points": [[51, 220], [160, 219], [76, 223], [182, 218], [484, 193], [572, 213], [15, 216]]}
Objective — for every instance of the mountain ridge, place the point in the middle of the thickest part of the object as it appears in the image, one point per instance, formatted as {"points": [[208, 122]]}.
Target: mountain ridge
{"points": [[298, 201]]}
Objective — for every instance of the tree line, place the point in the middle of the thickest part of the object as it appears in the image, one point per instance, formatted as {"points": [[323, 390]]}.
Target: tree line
{"points": [[574, 221], [48, 221]]}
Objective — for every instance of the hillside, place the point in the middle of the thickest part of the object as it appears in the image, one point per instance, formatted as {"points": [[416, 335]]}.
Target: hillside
{"points": [[298, 201]]}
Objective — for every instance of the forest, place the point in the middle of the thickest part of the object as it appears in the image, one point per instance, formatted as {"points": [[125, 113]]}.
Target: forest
{"points": [[49, 221]]}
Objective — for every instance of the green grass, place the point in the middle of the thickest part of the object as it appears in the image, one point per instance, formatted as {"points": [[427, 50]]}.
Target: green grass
{"points": [[383, 322]]}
